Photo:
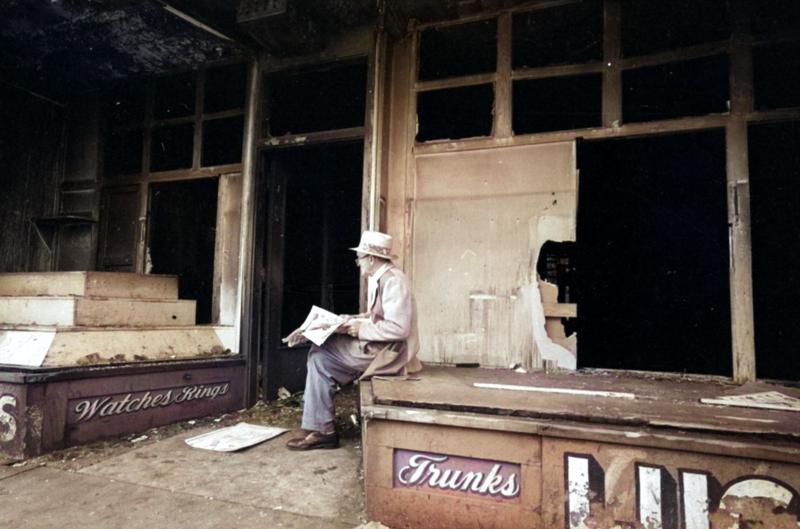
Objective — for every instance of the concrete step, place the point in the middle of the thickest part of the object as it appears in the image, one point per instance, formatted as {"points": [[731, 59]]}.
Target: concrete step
{"points": [[86, 284], [99, 312]]}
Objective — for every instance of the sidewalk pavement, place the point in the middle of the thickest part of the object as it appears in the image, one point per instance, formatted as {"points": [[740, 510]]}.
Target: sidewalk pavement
{"points": [[163, 483]]}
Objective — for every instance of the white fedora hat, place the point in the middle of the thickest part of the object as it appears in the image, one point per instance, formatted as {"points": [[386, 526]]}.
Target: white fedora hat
{"points": [[375, 243]]}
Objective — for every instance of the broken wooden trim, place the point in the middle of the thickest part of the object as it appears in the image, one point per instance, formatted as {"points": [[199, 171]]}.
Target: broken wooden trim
{"points": [[455, 82], [294, 140]]}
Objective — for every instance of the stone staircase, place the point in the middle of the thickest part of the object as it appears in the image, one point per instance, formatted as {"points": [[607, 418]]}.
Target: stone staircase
{"points": [[88, 318]]}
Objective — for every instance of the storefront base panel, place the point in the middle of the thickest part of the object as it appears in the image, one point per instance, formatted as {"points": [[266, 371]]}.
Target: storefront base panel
{"points": [[43, 413]]}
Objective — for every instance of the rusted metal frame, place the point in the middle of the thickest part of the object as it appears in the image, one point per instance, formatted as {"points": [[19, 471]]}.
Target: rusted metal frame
{"points": [[612, 71], [556, 71], [627, 130], [456, 82], [199, 99], [251, 240], [298, 140], [738, 198], [682, 54], [502, 126], [715, 444]]}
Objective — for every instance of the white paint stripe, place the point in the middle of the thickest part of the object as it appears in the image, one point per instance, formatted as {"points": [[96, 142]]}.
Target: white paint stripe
{"points": [[563, 391], [695, 500], [578, 490], [650, 497]]}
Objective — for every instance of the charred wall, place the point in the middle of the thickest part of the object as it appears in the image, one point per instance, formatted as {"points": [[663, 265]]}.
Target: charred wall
{"points": [[32, 159]]}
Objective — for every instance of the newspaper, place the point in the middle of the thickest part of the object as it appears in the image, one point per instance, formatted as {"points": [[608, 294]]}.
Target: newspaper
{"points": [[319, 325], [234, 438]]}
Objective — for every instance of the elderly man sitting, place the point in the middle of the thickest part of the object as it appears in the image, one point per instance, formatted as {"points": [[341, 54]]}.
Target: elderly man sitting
{"points": [[382, 341]]}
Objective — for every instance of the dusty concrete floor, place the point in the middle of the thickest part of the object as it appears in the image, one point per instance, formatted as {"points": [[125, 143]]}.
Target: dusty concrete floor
{"points": [[158, 481]]}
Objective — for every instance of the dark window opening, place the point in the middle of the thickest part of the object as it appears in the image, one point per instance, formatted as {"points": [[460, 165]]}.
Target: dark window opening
{"points": [[650, 27], [126, 105], [181, 235], [774, 197], [688, 88], [557, 103], [172, 147], [174, 96], [772, 16], [122, 153], [323, 99], [222, 141], [225, 88], [569, 34], [556, 265], [652, 269], [454, 51], [455, 113], [776, 75]]}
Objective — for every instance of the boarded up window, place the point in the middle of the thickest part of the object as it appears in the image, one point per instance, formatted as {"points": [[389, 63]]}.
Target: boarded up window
{"points": [[567, 34], [172, 147], [455, 113], [322, 99], [454, 51], [776, 75], [557, 103], [687, 88], [775, 193], [225, 88], [649, 27], [222, 141]]}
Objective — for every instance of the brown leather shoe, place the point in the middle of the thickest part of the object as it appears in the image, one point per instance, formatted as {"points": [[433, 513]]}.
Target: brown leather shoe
{"points": [[313, 441]]}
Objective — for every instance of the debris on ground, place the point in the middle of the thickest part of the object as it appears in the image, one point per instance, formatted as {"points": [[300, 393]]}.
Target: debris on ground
{"points": [[372, 525]]}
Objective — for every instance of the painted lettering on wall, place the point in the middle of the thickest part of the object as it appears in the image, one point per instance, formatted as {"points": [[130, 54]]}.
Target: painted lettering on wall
{"points": [[695, 500], [456, 475], [8, 423], [87, 409]]}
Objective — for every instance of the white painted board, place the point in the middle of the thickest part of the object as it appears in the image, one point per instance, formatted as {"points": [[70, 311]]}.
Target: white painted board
{"points": [[234, 438]]}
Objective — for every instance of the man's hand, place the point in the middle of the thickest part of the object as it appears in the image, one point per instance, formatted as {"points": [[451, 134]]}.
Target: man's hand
{"points": [[351, 327], [296, 338]]}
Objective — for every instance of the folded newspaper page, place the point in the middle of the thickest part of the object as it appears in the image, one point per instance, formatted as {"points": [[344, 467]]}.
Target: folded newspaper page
{"points": [[319, 325], [235, 437]]}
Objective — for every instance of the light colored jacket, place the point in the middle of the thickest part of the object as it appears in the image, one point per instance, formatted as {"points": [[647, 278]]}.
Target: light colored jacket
{"points": [[390, 332]]}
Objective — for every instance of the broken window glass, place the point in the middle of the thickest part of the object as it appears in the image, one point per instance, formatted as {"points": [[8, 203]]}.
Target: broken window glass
{"points": [[688, 88], [455, 113], [650, 27], [314, 100], [557, 103], [222, 141], [454, 51], [174, 96], [122, 154], [568, 34], [172, 147], [225, 88], [776, 75]]}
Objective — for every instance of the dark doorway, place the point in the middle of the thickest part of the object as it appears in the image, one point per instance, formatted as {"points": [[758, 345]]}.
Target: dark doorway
{"points": [[652, 269], [775, 196], [181, 236], [314, 215]]}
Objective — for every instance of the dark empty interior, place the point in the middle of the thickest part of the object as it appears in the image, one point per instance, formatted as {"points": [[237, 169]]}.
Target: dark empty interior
{"points": [[172, 147], [775, 16], [567, 34], [455, 113], [557, 103], [652, 264], [776, 75], [687, 88], [122, 153], [174, 96], [225, 88], [322, 220], [181, 234], [775, 196], [462, 49], [650, 27], [313, 100], [222, 141]]}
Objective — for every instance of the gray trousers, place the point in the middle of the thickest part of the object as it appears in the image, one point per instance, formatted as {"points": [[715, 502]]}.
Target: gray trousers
{"points": [[338, 361]]}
